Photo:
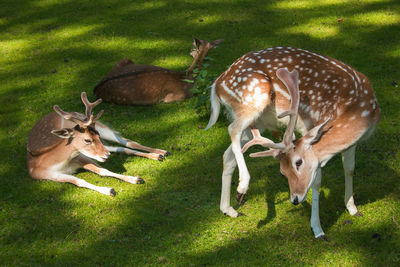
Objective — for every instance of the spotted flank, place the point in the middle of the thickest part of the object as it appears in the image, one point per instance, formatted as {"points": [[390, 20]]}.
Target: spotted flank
{"points": [[326, 85]]}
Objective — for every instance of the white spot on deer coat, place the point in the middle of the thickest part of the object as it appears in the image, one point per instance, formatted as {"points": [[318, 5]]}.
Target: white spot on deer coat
{"points": [[316, 115], [230, 92], [249, 98], [365, 113]]}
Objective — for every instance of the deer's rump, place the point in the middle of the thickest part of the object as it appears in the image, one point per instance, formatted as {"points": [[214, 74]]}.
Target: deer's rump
{"points": [[130, 84]]}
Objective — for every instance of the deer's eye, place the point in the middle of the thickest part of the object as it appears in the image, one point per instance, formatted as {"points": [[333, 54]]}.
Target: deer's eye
{"points": [[88, 141], [298, 163]]}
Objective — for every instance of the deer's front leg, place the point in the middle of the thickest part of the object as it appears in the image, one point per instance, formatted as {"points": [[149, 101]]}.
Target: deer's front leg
{"points": [[244, 176], [315, 222], [229, 167]]}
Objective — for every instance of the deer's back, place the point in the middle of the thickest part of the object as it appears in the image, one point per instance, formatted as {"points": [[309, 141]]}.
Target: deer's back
{"points": [[128, 84], [41, 139], [329, 89]]}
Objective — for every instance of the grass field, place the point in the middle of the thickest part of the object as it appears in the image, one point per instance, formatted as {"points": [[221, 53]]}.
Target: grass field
{"points": [[51, 50]]}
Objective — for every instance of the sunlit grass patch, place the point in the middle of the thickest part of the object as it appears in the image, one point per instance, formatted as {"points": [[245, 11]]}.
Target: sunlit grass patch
{"points": [[316, 29], [376, 18]]}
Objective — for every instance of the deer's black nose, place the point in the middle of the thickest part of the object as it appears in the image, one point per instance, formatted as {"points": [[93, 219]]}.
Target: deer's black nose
{"points": [[295, 201]]}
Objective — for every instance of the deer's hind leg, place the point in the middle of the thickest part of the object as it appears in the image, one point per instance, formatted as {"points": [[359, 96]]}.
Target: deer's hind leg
{"points": [[109, 134], [348, 159]]}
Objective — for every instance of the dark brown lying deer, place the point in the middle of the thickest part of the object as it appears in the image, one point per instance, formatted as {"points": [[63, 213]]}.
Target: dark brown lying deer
{"points": [[62, 142], [131, 84]]}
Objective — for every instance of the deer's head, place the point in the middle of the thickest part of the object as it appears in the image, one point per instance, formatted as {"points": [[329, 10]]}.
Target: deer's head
{"points": [[297, 159], [300, 164], [200, 50], [83, 137]]}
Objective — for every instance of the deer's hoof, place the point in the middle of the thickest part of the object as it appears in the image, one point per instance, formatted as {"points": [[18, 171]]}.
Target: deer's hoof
{"points": [[359, 214], [167, 154], [161, 157], [239, 214], [240, 197], [140, 181], [323, 238], [112, 192]]}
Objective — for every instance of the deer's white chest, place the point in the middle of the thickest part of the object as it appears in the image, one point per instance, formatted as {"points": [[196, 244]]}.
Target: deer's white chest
{"points": [[67, 166]]}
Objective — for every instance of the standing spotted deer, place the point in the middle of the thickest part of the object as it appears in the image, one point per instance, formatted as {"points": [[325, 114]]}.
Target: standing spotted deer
{"points": [[62, 142], [331, 104], [131, 84]]}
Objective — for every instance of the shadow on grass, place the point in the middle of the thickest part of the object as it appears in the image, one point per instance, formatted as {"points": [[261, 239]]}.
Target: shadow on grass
{"points": [[169, 222]]}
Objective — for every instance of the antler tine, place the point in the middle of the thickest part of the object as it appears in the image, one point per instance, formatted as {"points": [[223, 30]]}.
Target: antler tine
{"points": [[291, 81], [62, 113], [98, 115], [260, 140], [89, 106], [271, 152], [67, 115]]}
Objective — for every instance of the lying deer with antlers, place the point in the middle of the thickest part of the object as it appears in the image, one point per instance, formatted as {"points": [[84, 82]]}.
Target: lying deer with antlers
{"points": [[332, 105], [62, 142], [131, 84]]}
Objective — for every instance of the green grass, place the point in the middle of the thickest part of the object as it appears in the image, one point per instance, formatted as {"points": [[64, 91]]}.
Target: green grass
{"points": [[51, 50]]}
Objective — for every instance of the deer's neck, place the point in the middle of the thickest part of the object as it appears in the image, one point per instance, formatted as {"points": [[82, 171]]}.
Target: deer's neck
{"points": [[192, 67], [63, 153], [339, 137], [196, 64]]}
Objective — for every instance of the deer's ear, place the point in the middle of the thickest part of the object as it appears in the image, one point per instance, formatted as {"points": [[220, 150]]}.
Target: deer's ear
{"points": [[63, 133], [315, 134], [216, 43], [196, 42]]}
